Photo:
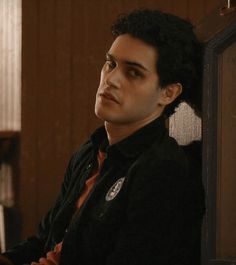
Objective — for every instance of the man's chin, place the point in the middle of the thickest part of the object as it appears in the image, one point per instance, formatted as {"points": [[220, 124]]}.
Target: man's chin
{"points": [[103, 115]]}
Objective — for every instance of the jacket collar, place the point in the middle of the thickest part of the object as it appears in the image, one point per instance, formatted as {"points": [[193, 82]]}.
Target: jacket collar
{"points": [[133, 145]]}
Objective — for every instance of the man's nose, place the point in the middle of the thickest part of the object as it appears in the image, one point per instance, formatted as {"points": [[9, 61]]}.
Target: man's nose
{"points": [[113, 78]]}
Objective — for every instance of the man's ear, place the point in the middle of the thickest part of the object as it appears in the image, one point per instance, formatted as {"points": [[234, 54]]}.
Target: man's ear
{"points": [[169, 93]]}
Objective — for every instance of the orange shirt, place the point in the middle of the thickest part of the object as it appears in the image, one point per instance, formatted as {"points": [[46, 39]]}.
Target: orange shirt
{"points": [[91, 181]]}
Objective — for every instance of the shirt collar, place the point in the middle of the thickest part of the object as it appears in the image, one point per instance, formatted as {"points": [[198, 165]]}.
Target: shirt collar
{"points": [[134, 144]]}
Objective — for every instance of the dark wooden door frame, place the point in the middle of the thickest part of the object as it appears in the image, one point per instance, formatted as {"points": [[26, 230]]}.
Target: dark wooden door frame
{"points": [[222, 33]]}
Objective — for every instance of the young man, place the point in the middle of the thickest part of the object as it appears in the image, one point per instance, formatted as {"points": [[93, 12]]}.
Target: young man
{"points": [[130, 196]]}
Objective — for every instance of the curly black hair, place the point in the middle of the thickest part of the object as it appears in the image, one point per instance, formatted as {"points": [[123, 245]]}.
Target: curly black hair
{"points": [[179, 51]]}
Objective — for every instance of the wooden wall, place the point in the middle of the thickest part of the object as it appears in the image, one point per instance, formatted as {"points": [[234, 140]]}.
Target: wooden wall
{"points": [[63, 48]]}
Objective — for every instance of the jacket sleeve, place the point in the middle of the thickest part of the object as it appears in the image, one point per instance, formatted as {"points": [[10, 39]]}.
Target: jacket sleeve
{"points": [[164, 217], [33, 247]]}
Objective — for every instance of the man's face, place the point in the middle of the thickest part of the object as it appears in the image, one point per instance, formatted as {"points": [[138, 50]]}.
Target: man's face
{"points": [[129, 86]]}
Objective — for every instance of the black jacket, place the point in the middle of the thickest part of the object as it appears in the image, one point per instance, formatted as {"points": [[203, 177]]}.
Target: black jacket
{"points": [[146, 207]]}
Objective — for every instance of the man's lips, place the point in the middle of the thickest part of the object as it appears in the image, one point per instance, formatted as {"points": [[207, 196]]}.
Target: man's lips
{"points": [[109, 96]]}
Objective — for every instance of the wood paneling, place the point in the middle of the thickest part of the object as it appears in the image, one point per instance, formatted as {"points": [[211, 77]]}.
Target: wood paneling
{"points": [[196, 10], [64, 43], [27, 200], [218, 244], [181, 9], [226, 205]]}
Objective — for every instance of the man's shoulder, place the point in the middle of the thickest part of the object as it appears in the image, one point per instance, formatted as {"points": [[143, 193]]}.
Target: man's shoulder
{"points": [[166, 150], [167, 165]]}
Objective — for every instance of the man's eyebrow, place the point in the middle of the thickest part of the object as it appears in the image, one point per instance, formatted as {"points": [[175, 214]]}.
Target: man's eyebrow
{"points": [[131, 63]]}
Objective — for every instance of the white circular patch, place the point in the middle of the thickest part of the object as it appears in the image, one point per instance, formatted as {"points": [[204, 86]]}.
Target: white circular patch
{"points": [[114, 190]]}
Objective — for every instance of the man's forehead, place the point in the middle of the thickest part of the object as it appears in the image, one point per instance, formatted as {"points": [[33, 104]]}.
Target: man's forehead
{"points": [[128, 48]]}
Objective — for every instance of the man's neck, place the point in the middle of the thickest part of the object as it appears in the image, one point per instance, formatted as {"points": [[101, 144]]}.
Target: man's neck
{"points": [[118, 132]]}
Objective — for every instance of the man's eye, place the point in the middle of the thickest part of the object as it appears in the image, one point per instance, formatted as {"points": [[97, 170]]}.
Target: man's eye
{"points": [[133, 73], [110, 65]]}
